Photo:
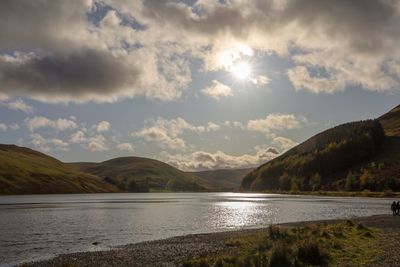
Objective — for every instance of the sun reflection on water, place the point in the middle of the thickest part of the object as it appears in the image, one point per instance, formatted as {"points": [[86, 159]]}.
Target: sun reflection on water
{"points": [[234, 214]]}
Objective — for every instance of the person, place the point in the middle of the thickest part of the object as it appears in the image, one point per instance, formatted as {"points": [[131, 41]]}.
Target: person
{"points": [[397, 207], [394, 207]]}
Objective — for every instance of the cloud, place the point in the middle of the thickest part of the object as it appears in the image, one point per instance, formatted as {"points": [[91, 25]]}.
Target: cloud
{"points": [[284, 143], [72, 52], [97, 143], [260, 80], [167, 133], [217, 90], [349, 40], [48, 144], [3, 127], [103, 126], [201, 160], [73, 59], [78, 137], [275, 121], [18, 105], [125, 147], [43, 122]]}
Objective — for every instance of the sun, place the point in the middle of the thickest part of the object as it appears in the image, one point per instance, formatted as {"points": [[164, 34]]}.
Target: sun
{"points": [[241, 70]]}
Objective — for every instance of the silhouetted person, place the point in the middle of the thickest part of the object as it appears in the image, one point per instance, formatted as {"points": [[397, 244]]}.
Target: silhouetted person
{"points": [[394, 207], [397, 207]]}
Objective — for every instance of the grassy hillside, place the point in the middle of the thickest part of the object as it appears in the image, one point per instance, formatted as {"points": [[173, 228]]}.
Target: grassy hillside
{"points": [[351, 157], [25, 171], [223, 179], [135, 174]]}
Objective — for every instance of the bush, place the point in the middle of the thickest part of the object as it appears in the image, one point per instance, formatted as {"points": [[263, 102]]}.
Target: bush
{"points": [[311, 253], [280, 257]]}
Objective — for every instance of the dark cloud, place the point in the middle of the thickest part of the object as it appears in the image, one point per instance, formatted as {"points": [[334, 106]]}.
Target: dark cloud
{"points": [[56, 24], [74, 75]]}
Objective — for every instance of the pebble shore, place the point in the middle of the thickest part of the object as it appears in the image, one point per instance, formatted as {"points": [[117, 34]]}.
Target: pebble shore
{"points": [[176, 250]]}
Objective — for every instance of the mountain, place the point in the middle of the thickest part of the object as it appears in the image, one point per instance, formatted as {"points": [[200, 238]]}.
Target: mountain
{"points": [[355, 156], [135, 174], [26, 171], [223, 179]]}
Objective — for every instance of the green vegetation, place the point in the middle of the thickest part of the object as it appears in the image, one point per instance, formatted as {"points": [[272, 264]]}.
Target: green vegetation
{"points": [[354, 157], [223, 179], [25, 171], [339, 244], [134, 174]]}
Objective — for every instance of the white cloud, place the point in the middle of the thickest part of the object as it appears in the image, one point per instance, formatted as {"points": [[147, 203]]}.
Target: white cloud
{"points": [[211, 126], [43, 122], [217, 90], [301, 79], [3, 127], [202, 160], [47, 144], [14, 126], [168, 133], [275, 121], [260, 80], [103, 126], [97, 143], [19, 105], [284, 143], [125, 147], [78, 137]]}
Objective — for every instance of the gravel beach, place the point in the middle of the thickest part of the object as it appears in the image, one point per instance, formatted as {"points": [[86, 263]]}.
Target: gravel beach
{"points": [[174, 251]]}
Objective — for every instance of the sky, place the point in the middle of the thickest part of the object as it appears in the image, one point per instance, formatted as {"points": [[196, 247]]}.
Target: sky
{"points": [[198, 84]]}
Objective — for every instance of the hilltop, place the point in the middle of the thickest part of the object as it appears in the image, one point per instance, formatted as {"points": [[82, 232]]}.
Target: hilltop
{"points": [[355, 156], [136, 174], [26, 171]]}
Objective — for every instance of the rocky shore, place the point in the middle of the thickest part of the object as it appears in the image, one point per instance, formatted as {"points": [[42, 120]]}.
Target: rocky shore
{"points": [[175, 251]]}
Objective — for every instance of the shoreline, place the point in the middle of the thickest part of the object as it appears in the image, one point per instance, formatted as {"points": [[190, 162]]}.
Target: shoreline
{"points": [[175, 251]]}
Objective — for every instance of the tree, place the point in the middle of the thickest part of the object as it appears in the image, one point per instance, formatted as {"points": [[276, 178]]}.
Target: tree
{"points": [[315, 182], [284, 182], [366, 180], [351, 182]]}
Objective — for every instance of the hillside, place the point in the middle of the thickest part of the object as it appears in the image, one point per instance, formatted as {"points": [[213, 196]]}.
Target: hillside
{"points": [[355, 156], [223, 179], [26, 171], [135, 174]]}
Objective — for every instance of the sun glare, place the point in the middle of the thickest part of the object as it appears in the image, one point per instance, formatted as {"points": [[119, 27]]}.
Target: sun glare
{"points": [[241, 70]]}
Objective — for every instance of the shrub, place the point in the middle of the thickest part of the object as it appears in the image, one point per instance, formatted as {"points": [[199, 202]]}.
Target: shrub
{"points": [[311, 253], [280, 257]]}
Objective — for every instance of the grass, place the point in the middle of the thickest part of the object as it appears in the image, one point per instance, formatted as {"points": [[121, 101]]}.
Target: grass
{"points": [[339, 244], [25, 171]]}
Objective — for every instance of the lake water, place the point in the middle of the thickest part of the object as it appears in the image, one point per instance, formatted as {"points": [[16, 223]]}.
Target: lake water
{"points": [[42, 226]]}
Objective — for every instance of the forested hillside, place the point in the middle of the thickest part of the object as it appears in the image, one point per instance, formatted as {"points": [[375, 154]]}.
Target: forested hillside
{"points": [[351, 157]]}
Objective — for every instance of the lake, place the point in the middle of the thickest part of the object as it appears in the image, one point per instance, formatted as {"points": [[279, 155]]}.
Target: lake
{"points": [[42, 226]]}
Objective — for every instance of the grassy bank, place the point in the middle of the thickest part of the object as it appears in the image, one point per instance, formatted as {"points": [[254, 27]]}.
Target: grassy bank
{"points": [[341, 244]]}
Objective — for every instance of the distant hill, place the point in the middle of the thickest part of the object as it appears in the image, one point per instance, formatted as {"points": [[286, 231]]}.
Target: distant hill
{"points": [[355, 156], [26, 171], [223, 179], [135, 174]]}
